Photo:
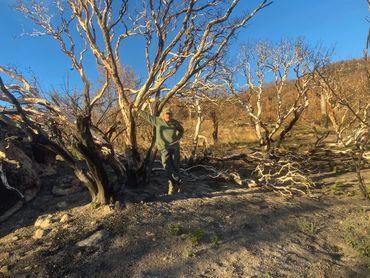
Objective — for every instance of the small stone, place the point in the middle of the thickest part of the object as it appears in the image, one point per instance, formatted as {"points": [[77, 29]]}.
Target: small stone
{"points": [[94, 239], [38, 221], [40, 233], [67, 226], [46, 223], [149, 234], [65, 218], [15, 238], [62, 204], [43, 222], [251, 183], [27, 268], [117, 205]]}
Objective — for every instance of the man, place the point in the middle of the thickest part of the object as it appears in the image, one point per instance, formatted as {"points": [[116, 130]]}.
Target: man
{"points": [[168, 134]]}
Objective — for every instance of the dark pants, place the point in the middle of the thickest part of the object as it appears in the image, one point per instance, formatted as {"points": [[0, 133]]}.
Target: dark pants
{"points": [[171, 162]]}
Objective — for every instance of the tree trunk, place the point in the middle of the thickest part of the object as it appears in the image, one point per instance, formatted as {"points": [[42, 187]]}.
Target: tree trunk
{"points": [[197, 129], [88, 150], [96, 181], [288, 128], [324, 111], [215, 123]]}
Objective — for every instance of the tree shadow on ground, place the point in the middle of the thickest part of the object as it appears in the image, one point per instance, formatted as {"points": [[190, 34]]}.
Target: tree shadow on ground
{"points": [[247, 224], [44, 203]]}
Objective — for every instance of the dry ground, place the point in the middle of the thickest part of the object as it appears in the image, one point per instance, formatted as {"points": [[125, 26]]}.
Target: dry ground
{"points": [[210, 229]]}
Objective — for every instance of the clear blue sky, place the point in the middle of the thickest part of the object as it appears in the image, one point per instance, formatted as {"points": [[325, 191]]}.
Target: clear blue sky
{"points": [[338, 23]]}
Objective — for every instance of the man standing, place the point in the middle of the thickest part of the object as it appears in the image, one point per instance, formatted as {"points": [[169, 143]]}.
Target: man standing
{"points": [[168, 135]]}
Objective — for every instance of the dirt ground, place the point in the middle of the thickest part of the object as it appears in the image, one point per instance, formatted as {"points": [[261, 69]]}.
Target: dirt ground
{"points": [[210, 229]]}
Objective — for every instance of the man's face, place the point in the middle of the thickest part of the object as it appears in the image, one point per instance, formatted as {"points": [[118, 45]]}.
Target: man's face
{"points": [[167, 116]]}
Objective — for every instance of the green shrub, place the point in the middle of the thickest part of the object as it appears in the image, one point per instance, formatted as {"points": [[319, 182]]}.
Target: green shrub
{"points": [[175, 229], [194, 236], [94, 205], [307, 226], [189, 253], [214, 239], [357, 235]]}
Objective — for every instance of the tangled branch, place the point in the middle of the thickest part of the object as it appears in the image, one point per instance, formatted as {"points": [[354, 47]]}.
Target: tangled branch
{"points": [[282, 173]]}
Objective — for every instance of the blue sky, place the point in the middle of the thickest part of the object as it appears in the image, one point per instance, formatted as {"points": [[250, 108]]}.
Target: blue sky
{"points": [[334, 23]]}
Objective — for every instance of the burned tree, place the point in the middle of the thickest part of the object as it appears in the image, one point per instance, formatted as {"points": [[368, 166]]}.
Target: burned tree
{"points": [[51, 125], [276, 107], [178, 42]]}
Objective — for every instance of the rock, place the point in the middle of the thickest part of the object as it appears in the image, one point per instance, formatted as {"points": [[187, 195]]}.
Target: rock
{"points": [[44, 222], [39, 221], [117, 205], [94, 239], [64, 218], [4, 269], [31, 193], [107, 209], [25, 175], [251, 183], [15, 238], [40, 233], [150, 233], [62, 204]]}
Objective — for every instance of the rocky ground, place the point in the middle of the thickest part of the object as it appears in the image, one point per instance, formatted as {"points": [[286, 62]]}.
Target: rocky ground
{"points": [[210, 229]]}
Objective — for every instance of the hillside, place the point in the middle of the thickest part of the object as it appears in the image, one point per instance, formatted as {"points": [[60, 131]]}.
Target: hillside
{"points": [[212, 228]]}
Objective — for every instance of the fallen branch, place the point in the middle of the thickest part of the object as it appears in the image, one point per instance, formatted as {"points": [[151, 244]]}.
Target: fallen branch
{"points": [[6, 183], [282, 173]]}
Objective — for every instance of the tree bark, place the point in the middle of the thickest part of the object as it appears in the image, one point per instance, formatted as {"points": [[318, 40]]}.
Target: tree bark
{"points": [[215, 123]]}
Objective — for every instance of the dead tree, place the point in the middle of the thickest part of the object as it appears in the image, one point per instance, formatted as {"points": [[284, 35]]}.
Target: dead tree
{"points": [[176, 35], [350, 118], [345, 96], [288, 100], [205, 97], [50, 125]]}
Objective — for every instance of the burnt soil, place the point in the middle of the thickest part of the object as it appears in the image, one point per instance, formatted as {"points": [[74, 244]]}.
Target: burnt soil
{"points": [[211, 228]]}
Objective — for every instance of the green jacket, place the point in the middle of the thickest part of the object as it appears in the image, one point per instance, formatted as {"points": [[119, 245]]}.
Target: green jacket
{"points": [[167, 134]]}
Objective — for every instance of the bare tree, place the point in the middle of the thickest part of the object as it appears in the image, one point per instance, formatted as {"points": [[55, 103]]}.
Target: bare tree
{"points": [[346, 88], [176, 36], [175, 33], [53, 125], [288, 99], [205, 98]]}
